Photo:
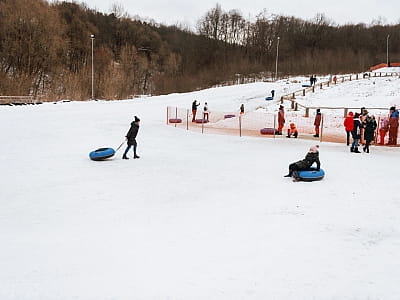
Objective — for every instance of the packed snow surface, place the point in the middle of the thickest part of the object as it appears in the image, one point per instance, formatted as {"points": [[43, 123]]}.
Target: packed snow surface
{"points": [[197, 216]]}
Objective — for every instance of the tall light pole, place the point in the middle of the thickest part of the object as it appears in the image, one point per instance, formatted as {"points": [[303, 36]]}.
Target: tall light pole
{"points": [[387, 50], [92, 38], [276, 62]]}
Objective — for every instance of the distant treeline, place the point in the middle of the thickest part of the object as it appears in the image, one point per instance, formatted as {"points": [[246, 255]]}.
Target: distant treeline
{"points": [[46, 50]]}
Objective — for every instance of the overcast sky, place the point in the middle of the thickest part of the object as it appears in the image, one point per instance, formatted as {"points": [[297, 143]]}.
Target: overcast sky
{"points": [[187, 12]]}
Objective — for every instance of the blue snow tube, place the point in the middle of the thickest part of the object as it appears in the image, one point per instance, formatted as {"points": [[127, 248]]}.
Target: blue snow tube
{"points": [[101, 153], [311, 174], [269, 98]]}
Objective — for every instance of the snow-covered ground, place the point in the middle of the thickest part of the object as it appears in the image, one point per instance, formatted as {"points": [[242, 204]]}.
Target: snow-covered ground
{"points": [[197, 216]]}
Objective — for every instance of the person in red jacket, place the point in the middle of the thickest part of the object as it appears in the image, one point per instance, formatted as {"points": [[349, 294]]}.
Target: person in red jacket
{"points": [[317, 122], [292, 131], [348, 126], [281, 119]]}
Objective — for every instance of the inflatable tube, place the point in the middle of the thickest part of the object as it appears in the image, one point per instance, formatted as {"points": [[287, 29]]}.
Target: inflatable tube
{"points": [[229, 116], [306, 85], [201, 121], [101, 153], [269, 98], [268, 131], [311, 175], [175, 120]]}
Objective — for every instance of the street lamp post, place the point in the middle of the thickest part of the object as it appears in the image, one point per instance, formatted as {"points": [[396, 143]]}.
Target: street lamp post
{"points": [[387, 50], [276, 62], [92, 38]]}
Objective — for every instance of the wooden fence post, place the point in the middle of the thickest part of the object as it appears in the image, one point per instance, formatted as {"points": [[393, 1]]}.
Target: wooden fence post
{"points": [[307, 112], [320, 86], [304, 92], [345, 112]]}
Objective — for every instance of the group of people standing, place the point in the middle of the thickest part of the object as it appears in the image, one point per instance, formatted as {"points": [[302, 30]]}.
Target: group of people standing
{"points": [[362, 127], [205, 111]]}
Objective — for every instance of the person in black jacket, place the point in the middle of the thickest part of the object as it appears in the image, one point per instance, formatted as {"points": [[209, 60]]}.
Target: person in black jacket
{"points": [[194, 110], [305, 164], [356, 133], [369, 131], [131, 138]]}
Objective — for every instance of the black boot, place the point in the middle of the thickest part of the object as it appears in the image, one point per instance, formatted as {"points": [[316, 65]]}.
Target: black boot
{"points": [[124, 156], [136, 156], [317, 135], [356, 150], [351, 149]]}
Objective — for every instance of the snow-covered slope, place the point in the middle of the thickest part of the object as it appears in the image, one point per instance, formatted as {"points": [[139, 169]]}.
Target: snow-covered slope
{"points": [[197, 216]]}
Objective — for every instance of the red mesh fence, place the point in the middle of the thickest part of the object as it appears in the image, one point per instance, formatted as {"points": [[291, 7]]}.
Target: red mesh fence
{"points": [[262, 124]]}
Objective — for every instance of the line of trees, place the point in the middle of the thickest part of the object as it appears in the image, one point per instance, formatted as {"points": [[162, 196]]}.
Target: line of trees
{"points": [[45, 50]]}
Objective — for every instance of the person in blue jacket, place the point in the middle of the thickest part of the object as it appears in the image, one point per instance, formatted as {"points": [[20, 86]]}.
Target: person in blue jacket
{"points": [[393, 125], [131, 138]]}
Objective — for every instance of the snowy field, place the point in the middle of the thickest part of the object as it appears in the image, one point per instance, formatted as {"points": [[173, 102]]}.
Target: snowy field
{"points": [[197, 216]]}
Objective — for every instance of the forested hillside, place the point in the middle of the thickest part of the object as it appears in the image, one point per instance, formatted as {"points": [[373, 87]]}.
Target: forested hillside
{"points": [[45, 50]]}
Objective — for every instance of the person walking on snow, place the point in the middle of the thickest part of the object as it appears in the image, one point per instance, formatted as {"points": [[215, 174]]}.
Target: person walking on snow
{"points": [[356, 133], [317, 122], [349, 125], [194, 109], [305, 164], [242, 109], [131, 138], [281, 119]]}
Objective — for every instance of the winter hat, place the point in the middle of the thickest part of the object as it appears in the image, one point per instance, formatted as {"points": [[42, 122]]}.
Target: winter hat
{"points": [[137, 119], [314, 149], [356, 115], [351, 114]]}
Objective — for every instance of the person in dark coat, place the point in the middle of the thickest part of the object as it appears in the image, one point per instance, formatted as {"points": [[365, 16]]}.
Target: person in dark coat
{"points": [[194, 110], [305, 164], [317, 122], [131, 138], [356, 133], [369, 132], [281, 119]]}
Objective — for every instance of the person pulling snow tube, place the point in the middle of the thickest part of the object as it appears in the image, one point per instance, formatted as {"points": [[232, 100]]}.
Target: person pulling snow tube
{"points": [[101, 153], [311, 175]]}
